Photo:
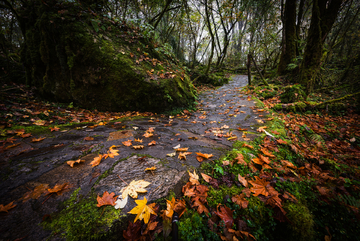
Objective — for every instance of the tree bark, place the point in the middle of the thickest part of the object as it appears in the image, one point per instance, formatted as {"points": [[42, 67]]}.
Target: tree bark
{"points": [[212, 38], [324, 14], [288, 51]]}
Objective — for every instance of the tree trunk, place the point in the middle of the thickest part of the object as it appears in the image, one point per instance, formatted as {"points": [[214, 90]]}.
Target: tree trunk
{"points": [[212, 38], [288, 51], [323, 17], [248, 65]]}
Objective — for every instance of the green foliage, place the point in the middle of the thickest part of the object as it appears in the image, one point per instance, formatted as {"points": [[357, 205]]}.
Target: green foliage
{"points": [[293, 93], [81, 219], [193, 227]]}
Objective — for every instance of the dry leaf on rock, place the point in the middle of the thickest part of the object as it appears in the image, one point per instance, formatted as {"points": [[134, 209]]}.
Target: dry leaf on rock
{"points": [[147, 134], [150, 168], [106, 199], [182, 149], [37, 139], [89, 138], [36, 193], [194, 178], [7, 207], [121, 202], [142, 211], [58, 188], [71, 163], [138, 147], [127, 143], [152, 143], [206, 156], [134, 188], [182, 155], [171, 154], [96, 161]]}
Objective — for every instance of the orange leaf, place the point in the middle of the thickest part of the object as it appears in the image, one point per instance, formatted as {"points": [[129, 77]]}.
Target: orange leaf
{"points": [[264, 159], [182, 155], [7, 207], [152, 143], [36, 193], [150, 168], [243, 181], [106, 199], [240, 159], [246, 145], [96, 161], [37, 139], [139, 140], [147, 134], [194, 178], [182, 149], [58, 189], [207, 156], [288, 164], [54, 128], [257, 161], [189, 190], [180, 207], [25, 135], [266, 152], [240, 200], [127, 143], [138, 147], [200, 159], [89, 138], [259, 186], [280, 141], [170, 208], [71, 163], [201, 208]]}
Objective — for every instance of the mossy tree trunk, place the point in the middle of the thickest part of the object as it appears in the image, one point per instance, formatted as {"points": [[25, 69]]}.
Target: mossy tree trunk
{"points": [[212, 38], [288, 50], [324, 13]]}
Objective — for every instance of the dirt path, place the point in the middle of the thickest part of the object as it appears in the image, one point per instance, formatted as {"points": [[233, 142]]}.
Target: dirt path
{"points": [[220, 111]]}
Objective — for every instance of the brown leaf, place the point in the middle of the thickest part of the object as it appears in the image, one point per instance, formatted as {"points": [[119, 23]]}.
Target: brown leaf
{"points": [[226, 215], [240, 159], [89, 138], [200, 159], [7, 207], [138, 147], [106, 199], [266, 152], [54, 128], [36, 193], [182, 149], [133, 231], [207, 178], [246, 145], [280, 141], [259, 186], [182, 155], [37, 139], [201, 208], [58, 188], [206, 156], [243, 181], [240, 200]]}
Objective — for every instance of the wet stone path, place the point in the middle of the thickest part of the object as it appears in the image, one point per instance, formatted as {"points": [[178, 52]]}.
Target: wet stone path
{"points": [[31, 164]]}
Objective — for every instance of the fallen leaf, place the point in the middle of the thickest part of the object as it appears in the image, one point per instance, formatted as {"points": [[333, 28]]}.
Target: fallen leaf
{"points": [[96, 161], [71, 163], [36, 193], [58, 188], [89, 138], [182, 149], [138, 147], [54, 129], [171, 154], [148, 134], [206, 156], [259, 186], [121, 202], [226, 215], [240, 200], [240, 159], [266, 152], [170, 205], [243, 181], [7, 207], [139, 140], [207, 178], [127, 143], [200, 159], [201, 208], [152, 143], [280, 141], [133, 231], [106, 199], [246, 145], [194, 178], [25, 135], [37, 139], [134, 188], [182, 155], [150, 169], [142, 211]]}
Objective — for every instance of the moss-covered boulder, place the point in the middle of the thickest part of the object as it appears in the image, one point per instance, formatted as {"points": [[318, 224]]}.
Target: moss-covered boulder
{"points": [[293, 93], [73, 54]]}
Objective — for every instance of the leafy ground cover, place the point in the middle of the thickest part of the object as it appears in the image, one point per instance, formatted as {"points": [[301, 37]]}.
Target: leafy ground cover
{"points": [[298, 181]]}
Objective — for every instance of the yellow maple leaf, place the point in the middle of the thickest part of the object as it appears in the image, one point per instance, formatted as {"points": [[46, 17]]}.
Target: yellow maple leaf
{"points": [[142, 211], [134, 188], [96, 161], [127, 143], [71, 163]]}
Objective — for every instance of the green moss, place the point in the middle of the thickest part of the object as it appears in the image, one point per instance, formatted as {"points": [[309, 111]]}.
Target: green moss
{"points": [[81, 219], [293, 93], [217, 196]]}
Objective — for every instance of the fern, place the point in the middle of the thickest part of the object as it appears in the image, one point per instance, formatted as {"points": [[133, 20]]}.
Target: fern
{"points": [[316, 138], [349, 200]]}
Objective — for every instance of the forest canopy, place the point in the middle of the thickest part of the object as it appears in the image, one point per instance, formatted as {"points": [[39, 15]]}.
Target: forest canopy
{"points": [[61, 47]]}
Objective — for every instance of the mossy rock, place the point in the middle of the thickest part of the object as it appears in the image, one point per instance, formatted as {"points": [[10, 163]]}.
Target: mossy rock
{"points": [[293, 93], [95, 62]]}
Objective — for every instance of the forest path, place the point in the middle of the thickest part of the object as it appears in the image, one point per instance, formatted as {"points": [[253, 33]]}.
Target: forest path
{"points": [[220, 111]]}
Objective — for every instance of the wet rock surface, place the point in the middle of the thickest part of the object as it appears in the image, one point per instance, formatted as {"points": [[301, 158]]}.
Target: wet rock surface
{"points": [[31, 164]]}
